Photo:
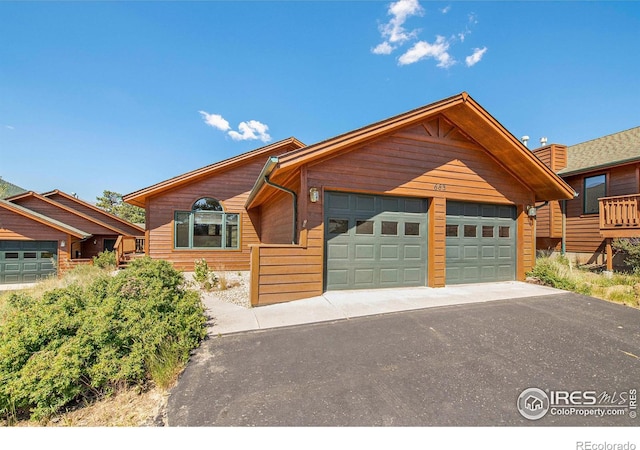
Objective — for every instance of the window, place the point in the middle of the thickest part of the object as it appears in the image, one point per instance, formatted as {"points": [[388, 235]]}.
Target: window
{"points": [[412, 229], [389, 228], [504, 232], [470, 231], [452, 230], [487, 231], [364, 227], [338, 226], [206, 226], [594, 188]]}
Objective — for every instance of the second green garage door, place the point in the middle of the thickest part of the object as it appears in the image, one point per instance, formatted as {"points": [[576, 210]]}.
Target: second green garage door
{"points": [[374, 241], [480, 243]]}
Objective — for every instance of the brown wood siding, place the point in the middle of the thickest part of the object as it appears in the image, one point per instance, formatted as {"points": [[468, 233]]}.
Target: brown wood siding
{"points": [[14, 227], [411, 163], [103, 217], [276, 221], [66, 217], [231, 188], [285, 273], [583, 230], [436, 248], [415, 162]]}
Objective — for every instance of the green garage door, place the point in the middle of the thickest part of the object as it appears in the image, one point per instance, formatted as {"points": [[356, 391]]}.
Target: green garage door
{"points": [[374, 241], [481, 243], [26, 261]]}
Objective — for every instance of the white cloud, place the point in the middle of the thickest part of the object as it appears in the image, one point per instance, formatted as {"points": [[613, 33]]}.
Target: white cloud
{"points": [[383, 49], [215, 120], [251, 130], [422, 50], [475, 58], [9, 127], [446, 9], [401, 11]]}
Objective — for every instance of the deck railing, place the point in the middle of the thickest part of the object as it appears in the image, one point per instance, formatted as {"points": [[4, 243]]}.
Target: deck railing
{"points": [[126, 245], [621, 212]]}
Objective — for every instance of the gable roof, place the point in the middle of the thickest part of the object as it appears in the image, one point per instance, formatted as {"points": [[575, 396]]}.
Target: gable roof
{"points": [[29, 214], [614, 149], [17, 198], [8, 189], [138, 198], [96, 209], [462, 111]]}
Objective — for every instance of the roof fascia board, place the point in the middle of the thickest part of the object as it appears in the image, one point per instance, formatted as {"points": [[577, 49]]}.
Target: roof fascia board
{"points": [[299, 157], [137, 198]]}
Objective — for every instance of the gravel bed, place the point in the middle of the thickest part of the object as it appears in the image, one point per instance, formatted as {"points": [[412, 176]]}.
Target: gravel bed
{"points": [[237, 291]]}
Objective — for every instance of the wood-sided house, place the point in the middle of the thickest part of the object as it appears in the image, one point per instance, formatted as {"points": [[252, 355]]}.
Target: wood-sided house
{"points": [[605, 172], [41, 235], [438, 195]]}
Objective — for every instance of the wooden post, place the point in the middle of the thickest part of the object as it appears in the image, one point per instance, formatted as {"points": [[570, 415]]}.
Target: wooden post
{"points": [[254, 290], [609, 255]]}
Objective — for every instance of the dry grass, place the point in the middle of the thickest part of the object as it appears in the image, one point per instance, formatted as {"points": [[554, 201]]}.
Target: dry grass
{"points": [[127, 408]]}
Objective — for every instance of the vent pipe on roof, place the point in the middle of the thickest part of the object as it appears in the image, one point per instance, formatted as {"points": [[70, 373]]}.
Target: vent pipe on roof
{"points": [[524, 140], [543, 141]]}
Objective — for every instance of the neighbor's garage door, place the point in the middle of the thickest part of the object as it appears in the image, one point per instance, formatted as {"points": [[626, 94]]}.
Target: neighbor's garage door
{"points": [[374, 241], [481, 243], [26, 261]]}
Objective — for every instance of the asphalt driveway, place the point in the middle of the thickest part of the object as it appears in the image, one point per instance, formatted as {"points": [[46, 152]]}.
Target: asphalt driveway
{"points": [[462, 365]]}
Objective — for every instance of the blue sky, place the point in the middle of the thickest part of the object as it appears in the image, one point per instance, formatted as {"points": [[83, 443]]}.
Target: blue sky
{"points": [[122, 95]]}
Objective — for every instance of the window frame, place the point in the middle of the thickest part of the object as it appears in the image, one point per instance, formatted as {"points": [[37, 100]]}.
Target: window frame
{"points": [[224, 215], [584, 193]]}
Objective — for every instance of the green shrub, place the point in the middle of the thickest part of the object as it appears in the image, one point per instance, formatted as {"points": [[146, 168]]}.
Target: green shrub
{"points": [[81, 341], [105, 260], [550, 272], [201, 275]]}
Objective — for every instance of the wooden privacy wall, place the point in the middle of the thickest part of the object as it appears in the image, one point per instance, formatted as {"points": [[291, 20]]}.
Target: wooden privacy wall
{"points": [[281, 273]]}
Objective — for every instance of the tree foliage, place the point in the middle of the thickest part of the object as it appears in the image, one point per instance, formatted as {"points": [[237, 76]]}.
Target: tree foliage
{"points": [[112, 203]]}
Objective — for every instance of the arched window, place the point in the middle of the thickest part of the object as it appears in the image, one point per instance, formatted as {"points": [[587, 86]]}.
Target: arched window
{"points": [[207, 204], [206, 226]]}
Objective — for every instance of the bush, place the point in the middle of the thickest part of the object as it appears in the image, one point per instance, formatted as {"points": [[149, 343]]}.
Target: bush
{"points": [[81, 341], [201, 275], [105, 260], [631, 248], [554, 272]]}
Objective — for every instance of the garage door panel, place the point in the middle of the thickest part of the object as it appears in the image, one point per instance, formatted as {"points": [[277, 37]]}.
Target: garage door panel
{"points": [[480, 243], [389, 252], [389, 275], [412, 252], [339, 251], [26, 261], [383, 245], [365, 252]]}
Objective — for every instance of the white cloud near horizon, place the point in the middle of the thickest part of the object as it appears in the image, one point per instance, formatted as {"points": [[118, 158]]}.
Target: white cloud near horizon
{"points": [[476, 56], [423, 50], [250, 130]]}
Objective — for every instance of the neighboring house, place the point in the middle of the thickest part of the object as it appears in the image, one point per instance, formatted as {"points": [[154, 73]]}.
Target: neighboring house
{"points": [[438, 195], [46, 234], [605, 173]]}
